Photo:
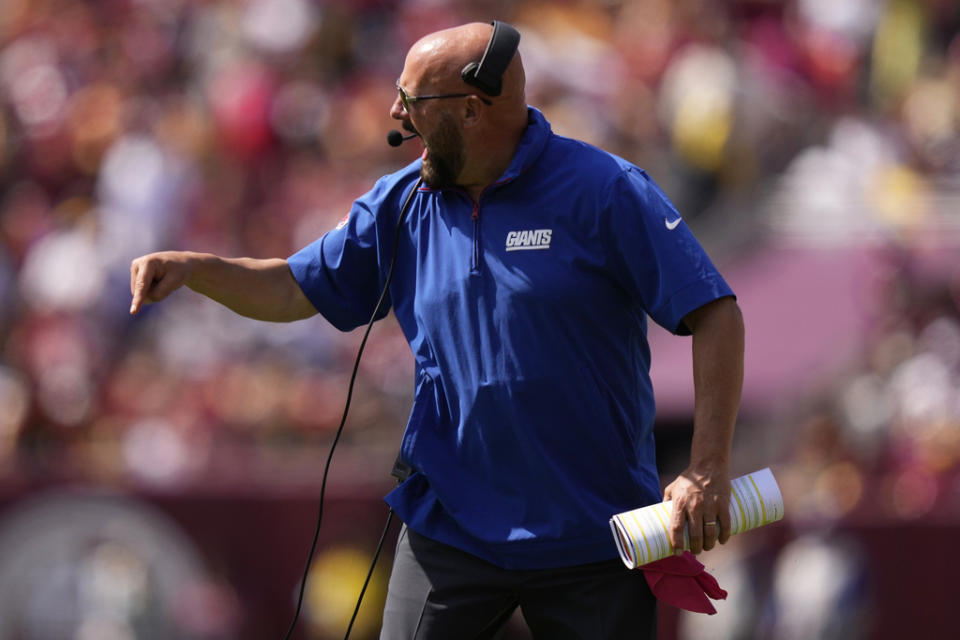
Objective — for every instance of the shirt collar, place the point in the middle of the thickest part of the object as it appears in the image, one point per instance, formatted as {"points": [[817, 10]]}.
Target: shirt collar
{"points": [[531, 145]]}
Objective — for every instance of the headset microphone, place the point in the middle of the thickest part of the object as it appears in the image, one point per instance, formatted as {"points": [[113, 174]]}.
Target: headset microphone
{"points": [[396, 138]]}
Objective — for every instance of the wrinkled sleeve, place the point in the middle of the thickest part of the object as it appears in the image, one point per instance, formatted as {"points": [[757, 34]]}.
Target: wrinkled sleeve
{"points": [[659, 261], [340, 273]]}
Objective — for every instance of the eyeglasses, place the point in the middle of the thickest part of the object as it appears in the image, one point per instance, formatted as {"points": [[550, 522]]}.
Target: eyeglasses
{"points": [[407, 100]]}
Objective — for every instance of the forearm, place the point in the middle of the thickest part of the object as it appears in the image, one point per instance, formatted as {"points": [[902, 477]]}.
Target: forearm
{"points": [[718, 343], [701, 494], [260, 289]]}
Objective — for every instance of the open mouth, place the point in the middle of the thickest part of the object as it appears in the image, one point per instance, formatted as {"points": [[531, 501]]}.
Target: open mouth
{"points": [[409, 127]]}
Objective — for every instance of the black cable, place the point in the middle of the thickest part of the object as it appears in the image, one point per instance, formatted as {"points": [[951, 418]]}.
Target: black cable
{"points": [[376, 554], [343, 421]]}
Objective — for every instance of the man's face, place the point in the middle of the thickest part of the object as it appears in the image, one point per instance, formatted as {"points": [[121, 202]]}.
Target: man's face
{"points": [[443, 159], [444, 156]]}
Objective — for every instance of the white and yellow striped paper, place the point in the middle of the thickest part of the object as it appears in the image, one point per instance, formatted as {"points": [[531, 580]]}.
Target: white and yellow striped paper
{"points": [[642, 535]]}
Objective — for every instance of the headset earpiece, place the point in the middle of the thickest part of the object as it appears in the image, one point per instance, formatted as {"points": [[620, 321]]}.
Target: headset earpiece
{"points": [[487, 74]]}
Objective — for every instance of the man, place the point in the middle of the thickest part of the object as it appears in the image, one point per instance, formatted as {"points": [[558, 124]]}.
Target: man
{"points": [[525, 270]]}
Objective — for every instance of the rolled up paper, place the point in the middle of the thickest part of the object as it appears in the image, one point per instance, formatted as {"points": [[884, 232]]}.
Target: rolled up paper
{"points": [[642, 535]]}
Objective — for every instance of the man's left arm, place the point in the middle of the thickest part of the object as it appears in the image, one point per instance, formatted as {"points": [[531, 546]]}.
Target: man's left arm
{"points": [[701, 494]]}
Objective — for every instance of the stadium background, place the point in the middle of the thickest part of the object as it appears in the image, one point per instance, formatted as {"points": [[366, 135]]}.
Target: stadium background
{"points": [[159, 474]]}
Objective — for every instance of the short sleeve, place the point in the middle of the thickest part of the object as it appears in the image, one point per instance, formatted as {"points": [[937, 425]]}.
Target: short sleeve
{"points": [[340, 272], [659, 261]]}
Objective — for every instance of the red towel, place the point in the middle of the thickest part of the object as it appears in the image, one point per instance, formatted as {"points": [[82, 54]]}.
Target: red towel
{"points": [[681, 581]]}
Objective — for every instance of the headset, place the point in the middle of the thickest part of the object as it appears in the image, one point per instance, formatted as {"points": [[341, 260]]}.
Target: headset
{"points": [[486, 75]]}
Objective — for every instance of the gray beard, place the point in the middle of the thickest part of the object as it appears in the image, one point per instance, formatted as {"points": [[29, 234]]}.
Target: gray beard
{"points": [[445, 158]]}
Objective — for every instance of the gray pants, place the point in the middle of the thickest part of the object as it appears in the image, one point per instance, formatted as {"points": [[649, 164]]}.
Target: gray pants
{"points": [[438, 592]]}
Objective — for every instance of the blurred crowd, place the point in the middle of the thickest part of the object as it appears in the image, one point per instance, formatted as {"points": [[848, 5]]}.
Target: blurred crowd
{"points": [[870, 474], [247, 127]]}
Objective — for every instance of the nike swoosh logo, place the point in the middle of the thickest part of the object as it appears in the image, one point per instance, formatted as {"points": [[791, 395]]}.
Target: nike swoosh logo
{"points": [[672, 225]]}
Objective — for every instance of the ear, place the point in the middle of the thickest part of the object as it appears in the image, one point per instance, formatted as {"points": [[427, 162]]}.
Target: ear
{"points": [[472, 111]]}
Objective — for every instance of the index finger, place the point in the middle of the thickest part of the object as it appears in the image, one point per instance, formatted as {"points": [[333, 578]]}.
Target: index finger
{"points": [[140, 276], [134, 270]]}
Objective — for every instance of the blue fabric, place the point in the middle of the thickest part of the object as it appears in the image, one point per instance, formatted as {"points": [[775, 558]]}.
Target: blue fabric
{"points": [[526, 313]]}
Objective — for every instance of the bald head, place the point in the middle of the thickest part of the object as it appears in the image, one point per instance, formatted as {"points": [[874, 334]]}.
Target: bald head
{"points": [[469, 136], [437, 59]]}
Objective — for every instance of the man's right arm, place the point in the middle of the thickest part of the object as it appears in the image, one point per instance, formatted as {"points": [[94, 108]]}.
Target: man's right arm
{"points": [[260, 289]]}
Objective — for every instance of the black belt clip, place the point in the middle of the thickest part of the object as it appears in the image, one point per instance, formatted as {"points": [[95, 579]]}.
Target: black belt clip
{"points": [[401, 470]]}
